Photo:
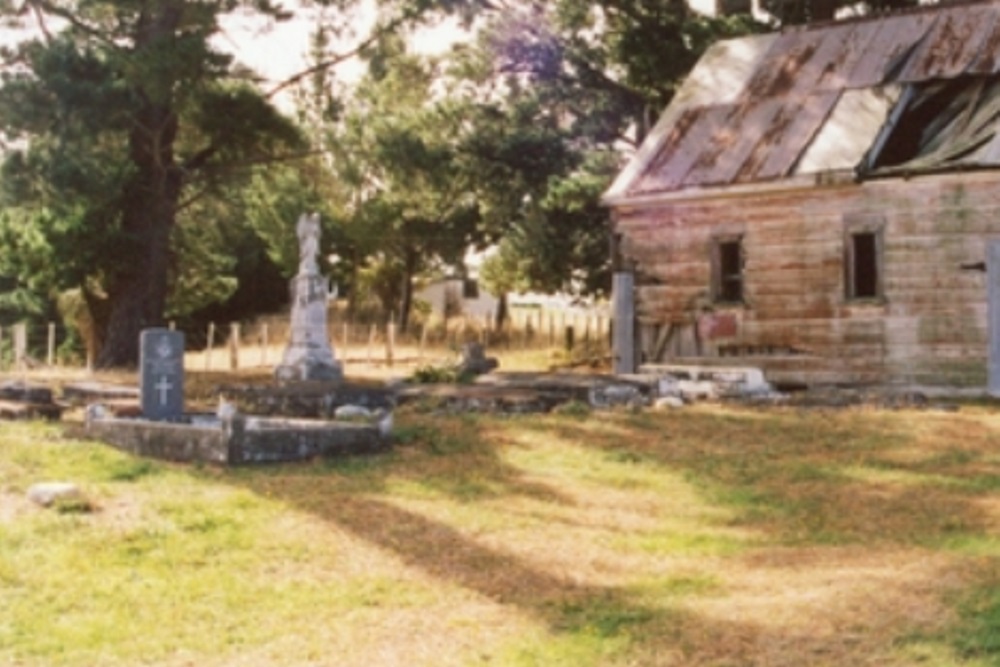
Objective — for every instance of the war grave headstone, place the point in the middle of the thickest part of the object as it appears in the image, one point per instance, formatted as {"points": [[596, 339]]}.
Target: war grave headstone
{"points": [[161, 375]]}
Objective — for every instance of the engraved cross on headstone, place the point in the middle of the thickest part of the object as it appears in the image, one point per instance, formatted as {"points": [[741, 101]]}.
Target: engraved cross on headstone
{"points": [[161, 375]]}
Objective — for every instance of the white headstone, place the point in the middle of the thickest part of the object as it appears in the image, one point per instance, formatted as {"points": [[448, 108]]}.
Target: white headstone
{"points": [[309, 355]]}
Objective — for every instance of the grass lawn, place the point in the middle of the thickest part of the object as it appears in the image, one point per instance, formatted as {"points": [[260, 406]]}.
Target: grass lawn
{"points": [[713, 535]]}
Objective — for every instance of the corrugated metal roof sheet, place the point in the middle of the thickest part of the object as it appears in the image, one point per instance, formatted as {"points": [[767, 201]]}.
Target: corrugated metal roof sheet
{"points": [[753, 107]]}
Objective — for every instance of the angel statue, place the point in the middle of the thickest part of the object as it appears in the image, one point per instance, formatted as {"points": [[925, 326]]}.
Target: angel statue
{"points": [[307, 229]]}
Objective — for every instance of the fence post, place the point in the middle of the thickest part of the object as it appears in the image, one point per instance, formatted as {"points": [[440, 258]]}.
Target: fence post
{"points": [[390, 341], [345, 339], [50, 356], [21, 346], [209, 342], [372, 330], [234, 345], [570, 338], [263, 344]]}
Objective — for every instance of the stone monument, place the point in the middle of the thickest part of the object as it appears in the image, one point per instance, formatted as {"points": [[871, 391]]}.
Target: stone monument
{"points": [[161, 374], [309, 355]]}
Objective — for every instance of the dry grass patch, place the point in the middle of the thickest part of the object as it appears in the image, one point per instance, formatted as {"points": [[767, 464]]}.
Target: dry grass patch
{"points": [[708, 537]]}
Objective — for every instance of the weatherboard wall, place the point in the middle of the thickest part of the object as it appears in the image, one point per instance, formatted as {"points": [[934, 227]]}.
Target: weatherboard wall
{"points": [[930, 327]]}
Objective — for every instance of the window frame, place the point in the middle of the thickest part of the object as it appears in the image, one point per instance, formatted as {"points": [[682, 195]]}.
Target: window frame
{"points": [[718, 279], [864, 225]]}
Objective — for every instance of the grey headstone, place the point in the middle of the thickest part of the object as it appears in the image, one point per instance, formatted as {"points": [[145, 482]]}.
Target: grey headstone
{"points": [[161, 375]]}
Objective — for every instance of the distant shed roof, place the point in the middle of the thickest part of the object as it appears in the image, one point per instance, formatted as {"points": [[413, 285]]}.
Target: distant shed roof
{"points": [[817, 99]]}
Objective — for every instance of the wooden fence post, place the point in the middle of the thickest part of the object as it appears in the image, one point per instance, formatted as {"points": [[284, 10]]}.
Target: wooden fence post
{"points": [[21, 346], [209, 342], [50, 357], [372, 331], [263, 344], [234, 345], [390, 342]]}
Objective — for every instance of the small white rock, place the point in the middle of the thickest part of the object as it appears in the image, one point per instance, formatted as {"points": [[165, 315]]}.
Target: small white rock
{"points": [[352, 412], [668, 402], [46, 493]]}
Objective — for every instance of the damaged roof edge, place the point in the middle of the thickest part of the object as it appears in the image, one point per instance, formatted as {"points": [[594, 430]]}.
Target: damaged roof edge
{"points": [[738, 118], [726, 65]]}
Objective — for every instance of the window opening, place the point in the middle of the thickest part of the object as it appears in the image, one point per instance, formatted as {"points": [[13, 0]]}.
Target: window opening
{"points": [[729, 263], [865, 270]]}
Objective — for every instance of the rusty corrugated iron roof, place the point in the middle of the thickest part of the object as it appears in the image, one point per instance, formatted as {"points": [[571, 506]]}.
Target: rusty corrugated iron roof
{"points": [[768, 107]]}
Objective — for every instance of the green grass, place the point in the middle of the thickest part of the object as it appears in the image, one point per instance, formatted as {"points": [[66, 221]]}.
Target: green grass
{"points": [[707, 536]]}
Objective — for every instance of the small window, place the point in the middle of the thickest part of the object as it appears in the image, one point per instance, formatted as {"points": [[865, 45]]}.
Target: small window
{"points": [[727, 269], [470, 289], [863, 264]]}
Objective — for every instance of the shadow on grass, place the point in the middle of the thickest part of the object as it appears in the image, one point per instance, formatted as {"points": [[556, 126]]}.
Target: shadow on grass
{"points": [[837, 477], [803, 479]]}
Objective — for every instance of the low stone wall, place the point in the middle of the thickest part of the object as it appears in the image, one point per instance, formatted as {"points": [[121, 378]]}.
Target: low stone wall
{"points": [[241, 441]]}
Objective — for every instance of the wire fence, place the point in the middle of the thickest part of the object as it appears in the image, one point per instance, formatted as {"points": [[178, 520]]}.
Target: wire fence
{"points": [[257, 344]]}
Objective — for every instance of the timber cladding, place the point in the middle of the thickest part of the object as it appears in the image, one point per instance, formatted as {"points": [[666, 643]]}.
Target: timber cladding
{"points": [[878, 282]]}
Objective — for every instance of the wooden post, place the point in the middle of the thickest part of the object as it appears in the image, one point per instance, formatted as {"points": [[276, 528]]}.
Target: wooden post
{"points": [[552, 329], [993, 297], [263, 344], [623, 304], [570, 338], [21, 346], [372, 331], [234, 345], [390, 342], [344, 340], [209, 343], [50, 357]]}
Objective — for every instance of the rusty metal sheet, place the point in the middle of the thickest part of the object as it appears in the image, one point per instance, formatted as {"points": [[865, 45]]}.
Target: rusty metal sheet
{"points": [[721, 75], [850, 130], [951, 45], [987, 61], [721, 159], [849, 44], [681, 148], [895, 37], [780, 147]]}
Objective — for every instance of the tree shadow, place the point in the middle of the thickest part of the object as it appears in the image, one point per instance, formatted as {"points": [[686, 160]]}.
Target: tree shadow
{"points": [[801, 480]]}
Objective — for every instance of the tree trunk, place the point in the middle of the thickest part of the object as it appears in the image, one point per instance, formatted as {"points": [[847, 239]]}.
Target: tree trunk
{"points": [[406, 301], [501, 314], [138, 290]]}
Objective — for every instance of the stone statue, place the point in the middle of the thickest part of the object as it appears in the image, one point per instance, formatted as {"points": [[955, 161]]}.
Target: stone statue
{"points": [[308, 231], [309, 355]]}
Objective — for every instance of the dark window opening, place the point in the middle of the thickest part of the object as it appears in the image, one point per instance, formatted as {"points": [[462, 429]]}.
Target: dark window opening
{"points": [[729, 268], [470, 289], [938, 124], [863, 265]]}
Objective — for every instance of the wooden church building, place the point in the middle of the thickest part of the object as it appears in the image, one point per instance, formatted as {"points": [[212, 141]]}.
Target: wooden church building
{"points": [[824, 203]]}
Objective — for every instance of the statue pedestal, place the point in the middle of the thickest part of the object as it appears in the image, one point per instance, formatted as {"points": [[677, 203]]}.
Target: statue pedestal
{"points": [[309, 355]]}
